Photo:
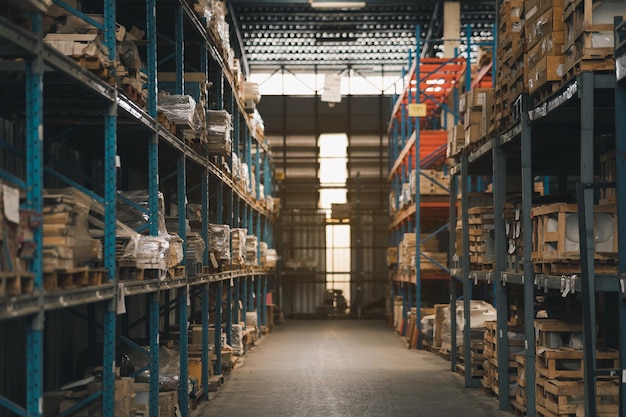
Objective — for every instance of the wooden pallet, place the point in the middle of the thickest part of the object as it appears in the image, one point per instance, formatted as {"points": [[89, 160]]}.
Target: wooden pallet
{"points": [[566, 363], [566, 397], [66, 278], [177, 271], [14, 283]]}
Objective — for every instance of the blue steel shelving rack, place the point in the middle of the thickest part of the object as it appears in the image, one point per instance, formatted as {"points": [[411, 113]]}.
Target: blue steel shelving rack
{"points": [[404, 134], [577, 95], [37, 55]]}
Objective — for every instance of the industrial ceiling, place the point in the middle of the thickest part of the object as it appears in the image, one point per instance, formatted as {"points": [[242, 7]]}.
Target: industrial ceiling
{"points": [[296, 36]]}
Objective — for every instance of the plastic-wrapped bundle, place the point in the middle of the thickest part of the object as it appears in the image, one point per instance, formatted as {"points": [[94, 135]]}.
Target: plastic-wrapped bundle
{"points": [[174, 254], [245, 177], [238, 246], [237, 339], [271, 257], [236, 168], [151, 253], [138, 219], [219, 241], [251, 250], [219, 126], [179, 109], [251, 91]]}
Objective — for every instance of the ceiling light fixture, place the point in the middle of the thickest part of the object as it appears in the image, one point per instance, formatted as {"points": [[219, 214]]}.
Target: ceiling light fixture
{"points": [[317, 4]]}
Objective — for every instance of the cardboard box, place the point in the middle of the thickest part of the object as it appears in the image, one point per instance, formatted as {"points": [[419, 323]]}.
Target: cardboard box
{"points": [[546, 23], [472, 134], [472, 118], [477, 97], [550, 68]]}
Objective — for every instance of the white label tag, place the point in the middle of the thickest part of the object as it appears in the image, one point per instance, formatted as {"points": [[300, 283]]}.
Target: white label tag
{"points": [[623, 376], [188, 297], [11, 200]]}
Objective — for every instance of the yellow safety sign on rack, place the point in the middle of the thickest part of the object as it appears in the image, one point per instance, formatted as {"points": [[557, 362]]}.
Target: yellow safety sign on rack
{"points": [[417, 110]]}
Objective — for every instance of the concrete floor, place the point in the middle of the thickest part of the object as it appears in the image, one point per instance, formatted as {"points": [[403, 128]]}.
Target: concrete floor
{"points": [[344, 368]]}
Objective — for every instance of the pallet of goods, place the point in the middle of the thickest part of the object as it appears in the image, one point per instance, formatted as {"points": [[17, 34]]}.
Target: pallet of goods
{"points": [[70, 254], [556, 248], [559, 371], [544, 33], [490, 381], [589, 35], [18, 245]]}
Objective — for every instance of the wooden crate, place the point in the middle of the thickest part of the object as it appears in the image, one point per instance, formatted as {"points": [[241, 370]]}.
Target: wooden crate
{"points": [[567, 397], [553, 252], [542, 23], [543, 328], [566, 363]]}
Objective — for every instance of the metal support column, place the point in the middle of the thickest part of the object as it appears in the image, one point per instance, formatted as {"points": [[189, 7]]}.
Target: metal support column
{"points": [[258, 305], [153, 146], [454, 180], [34, 182], [417, 197], [229, 312], [467, 284], [182, 202], [529, 289], [236, 299], [218, 328], [244, 300], [205, 340], [110, 195], [183, 322], [264, 300], [620, 162], [153, 313], [502, 304], [585, 227]]}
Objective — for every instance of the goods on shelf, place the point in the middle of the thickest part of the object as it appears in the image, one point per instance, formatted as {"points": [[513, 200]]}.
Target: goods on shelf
{"points": [[251, 250], [516, 341], [511, 61], [456, 140], [476, 106], [544, 65], [269, 256], [427, 185], [238, 238], [556, 247], [589, 43], [195, 253], [251, 96], [392, 255], [219, 126], [480, 312], [219, 243], [559, 370], [66, 240], [515, 239], [180, 110], [17, 241]]}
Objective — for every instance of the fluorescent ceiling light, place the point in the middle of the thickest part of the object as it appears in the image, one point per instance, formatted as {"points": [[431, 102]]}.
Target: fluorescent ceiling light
{"points": [[337, 4]]}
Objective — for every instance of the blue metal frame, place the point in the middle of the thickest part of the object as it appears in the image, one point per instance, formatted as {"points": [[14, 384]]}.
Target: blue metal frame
{"points": [[34, 180], [183, 323], [620, 163], [417, 199], [218, 328], [153, 312], [205, 340]]}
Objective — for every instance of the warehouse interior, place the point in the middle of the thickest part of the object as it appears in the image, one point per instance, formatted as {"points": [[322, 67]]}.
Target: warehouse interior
{"points": [[342, 199]]}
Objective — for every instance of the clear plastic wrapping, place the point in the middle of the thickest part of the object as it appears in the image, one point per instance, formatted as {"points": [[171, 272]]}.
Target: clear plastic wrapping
{"points": [[251, 250], [134, 212], [271, 258], [180, 110], [480, 312], [219, 241], [238, 237]]}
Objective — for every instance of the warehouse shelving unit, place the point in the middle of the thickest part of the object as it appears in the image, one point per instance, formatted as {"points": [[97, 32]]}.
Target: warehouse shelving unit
{"points": [[417, 141], [63, 100], [531, 148]]}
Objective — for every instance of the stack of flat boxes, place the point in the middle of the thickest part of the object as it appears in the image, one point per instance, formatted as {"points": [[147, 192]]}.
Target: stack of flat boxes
{"points": [[510, 57], [476, 104], [544, 33]]}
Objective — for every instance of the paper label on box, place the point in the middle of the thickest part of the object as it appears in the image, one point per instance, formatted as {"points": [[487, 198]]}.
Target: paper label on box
{"points": [[417, 110], [11, 201], [481, 98]]}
